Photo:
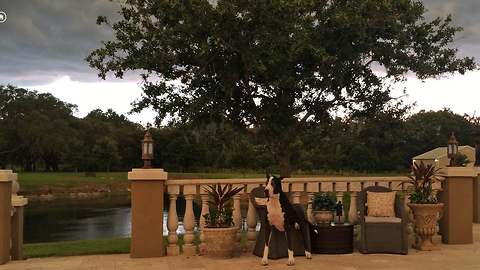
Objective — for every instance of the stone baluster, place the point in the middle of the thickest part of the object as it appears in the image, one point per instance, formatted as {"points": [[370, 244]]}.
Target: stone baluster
{"points": [[410, 233], [297, 189], [172, 222], [189, 221], [312, 188], [339, 195], [436, 238], [354, 188], [205, 210], [237, 218], [353, 212], [251, 222]]}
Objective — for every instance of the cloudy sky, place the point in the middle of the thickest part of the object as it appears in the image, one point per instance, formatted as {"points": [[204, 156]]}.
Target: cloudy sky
{"points": [[43, 44]]}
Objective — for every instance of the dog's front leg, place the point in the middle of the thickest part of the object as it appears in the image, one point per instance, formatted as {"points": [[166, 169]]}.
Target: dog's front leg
{"points": [[291, 260], [267, 242]]}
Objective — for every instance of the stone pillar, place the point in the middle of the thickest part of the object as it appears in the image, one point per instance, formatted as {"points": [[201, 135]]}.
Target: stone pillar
{"points": [[147, 212], [17, 222], [476, 194], [456, 225], [6, 178]]}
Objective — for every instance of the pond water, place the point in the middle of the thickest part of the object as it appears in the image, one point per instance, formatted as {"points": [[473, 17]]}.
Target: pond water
{"points": [[71, 219]]}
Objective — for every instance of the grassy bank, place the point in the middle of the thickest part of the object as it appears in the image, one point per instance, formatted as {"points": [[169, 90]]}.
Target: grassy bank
{"points": [[98, 246], [58, 182], [86, 247]]}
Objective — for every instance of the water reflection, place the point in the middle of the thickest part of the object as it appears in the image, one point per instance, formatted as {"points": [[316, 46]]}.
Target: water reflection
{"points": [[70, 219]]}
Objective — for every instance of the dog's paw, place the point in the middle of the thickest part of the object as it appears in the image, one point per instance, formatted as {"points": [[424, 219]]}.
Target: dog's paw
{"points": [[290, 262], [264, 262], [308, 254]]}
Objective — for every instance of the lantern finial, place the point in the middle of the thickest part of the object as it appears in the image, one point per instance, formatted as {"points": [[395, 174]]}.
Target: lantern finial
{"points": [[452, 150], [147, 150]]}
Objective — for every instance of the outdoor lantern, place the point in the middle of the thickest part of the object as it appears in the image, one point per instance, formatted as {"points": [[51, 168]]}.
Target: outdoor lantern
{"points": [[147, 150], [452, 150]]}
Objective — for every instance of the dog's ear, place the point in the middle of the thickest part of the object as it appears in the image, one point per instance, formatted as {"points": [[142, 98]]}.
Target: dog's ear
{"points": [[280, 178], [268, 176]]}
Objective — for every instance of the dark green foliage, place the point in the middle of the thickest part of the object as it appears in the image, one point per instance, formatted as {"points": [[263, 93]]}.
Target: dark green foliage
{"points": [[462, 160], [277, 66], [324, 201]]}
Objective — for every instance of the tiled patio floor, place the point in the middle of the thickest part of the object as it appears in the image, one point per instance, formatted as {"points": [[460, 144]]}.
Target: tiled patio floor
{"points": [[464, 257]]}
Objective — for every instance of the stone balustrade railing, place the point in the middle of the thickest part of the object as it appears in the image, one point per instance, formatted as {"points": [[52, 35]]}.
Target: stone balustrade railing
{"points": [[301, 190]]}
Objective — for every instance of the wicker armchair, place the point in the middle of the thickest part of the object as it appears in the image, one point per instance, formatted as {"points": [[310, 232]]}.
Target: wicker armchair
{"points": [[278, 243], [382, 235]]}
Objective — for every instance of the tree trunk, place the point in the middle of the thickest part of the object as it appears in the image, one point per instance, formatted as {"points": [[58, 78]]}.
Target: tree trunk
{"points": [[284, 159]]}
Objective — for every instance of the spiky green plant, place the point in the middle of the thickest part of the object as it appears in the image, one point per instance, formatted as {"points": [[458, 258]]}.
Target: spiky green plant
{"points": [[221, 214], [422, 179]]}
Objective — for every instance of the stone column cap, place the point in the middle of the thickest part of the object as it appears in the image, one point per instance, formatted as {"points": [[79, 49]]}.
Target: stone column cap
{"points": [[18, 201], [459, 171], [147, 174], [7, 176]]}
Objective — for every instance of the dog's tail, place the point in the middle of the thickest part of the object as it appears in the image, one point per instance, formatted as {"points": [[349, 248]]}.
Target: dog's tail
{"points": [[310, 225]]}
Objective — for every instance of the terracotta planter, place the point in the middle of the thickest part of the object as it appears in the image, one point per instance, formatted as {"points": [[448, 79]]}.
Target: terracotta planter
{"points": [[323, 217], [424, 218], [220, 242]]}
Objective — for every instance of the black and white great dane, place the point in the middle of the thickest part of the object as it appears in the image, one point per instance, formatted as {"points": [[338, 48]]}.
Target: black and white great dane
{"points": [[281, 215]]}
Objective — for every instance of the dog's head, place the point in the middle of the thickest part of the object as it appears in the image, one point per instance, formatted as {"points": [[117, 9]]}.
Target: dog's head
{"points": [[273, 186]]}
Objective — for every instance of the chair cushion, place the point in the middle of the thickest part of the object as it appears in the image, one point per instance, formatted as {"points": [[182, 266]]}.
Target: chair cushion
{"points": [[382, 219], [261, 201], [381, 204]]}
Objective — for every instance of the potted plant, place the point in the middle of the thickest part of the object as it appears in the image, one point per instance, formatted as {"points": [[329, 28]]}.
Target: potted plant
{"points": [[424, 211], [323, 205], [219, 231]]}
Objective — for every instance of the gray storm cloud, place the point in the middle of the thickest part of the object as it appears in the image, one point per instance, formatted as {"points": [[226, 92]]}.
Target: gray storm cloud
{"points": [[44, 40]]}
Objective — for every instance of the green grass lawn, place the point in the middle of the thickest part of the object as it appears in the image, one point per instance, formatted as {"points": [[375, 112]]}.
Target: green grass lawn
{"points": [[33, 180], [98, 246], [86, 247]]}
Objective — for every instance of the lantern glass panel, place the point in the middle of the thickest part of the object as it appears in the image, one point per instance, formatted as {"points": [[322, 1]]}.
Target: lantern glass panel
{"points": [[150, 148], [145, 148]]}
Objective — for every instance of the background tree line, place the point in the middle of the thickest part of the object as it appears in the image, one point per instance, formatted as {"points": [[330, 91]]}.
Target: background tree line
{"points": [[39, 132]]}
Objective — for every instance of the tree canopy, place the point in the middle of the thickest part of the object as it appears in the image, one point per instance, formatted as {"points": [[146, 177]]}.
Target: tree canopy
{"points": [[277, 65]]}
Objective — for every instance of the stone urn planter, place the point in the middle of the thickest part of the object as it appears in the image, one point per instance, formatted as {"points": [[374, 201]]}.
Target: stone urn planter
{"points": [[424, 218], [220, 242], [323, 217]]}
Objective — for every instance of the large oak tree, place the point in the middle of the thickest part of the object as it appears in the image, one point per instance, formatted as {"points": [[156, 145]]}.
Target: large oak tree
{"points": [[277, 65]]}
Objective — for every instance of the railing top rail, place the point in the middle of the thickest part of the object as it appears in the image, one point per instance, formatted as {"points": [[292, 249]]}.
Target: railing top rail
{"points": [[247, 181]]}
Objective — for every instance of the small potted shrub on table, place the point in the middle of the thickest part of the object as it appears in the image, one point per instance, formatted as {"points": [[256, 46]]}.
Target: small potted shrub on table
{"points": [[219, 228], [323, 206]]}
